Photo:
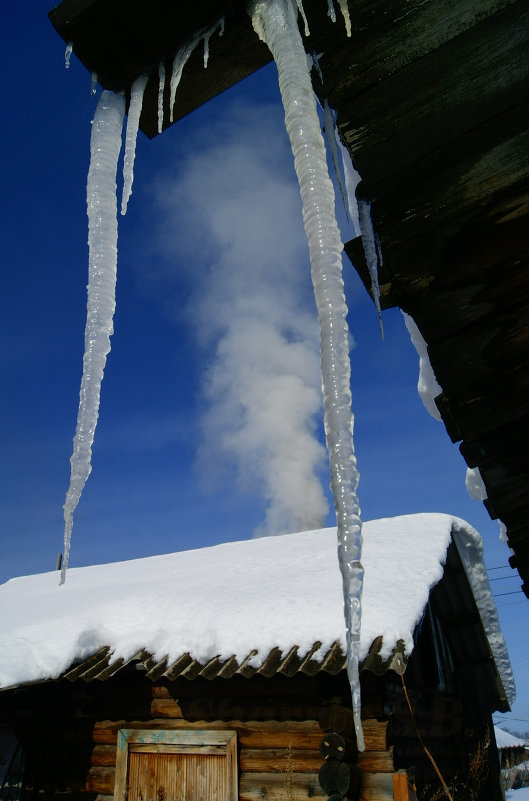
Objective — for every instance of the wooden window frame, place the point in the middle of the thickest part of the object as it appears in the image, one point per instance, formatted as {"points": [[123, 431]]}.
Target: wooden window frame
{"points": [[171, 741]]}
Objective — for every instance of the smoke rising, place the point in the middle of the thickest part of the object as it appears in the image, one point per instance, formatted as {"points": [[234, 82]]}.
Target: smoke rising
{"points": [[251, 306]]}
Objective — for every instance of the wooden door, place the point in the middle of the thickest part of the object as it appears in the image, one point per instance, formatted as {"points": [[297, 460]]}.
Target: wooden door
{"points": [[177, 777], [176, 766]]}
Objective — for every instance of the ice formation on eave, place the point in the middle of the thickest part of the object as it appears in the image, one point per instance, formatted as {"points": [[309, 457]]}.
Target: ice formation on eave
{"points": [[68, 55], [429, 389], [372, 253], [133, 123], [276, 24], [474, 484], [345, 13], [352, 179], [161, 87], [427, 386], [470, 549], [331, 135], [179, 61], [290, 584], [105, 146]]}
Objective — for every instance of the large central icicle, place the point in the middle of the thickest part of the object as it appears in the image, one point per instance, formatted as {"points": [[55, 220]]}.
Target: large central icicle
{"points": [[275, 22], [105, 145]]}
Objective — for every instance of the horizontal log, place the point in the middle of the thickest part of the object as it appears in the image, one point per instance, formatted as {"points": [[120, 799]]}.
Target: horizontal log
{"points": [[376, 787], [104, 756], [262, 760], [263, 708], [376, 762], [264, 786], [166, 708], [375, 734], [270, 760], [100, 780], [253, 734], [300, 686]]}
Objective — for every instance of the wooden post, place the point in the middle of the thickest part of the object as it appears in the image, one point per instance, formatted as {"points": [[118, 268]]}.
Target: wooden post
{"points": [[402, 791]]}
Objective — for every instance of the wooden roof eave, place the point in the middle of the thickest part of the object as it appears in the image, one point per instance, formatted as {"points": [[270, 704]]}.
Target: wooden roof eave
{"points": [[102, 666], [118, 42]]}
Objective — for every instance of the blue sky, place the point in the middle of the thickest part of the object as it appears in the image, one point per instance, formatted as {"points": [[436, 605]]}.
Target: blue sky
{"points": [[170, 471]]}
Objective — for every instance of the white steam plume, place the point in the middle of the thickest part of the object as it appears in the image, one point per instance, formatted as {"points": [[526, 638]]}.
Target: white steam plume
{"points": [[254, 313]]}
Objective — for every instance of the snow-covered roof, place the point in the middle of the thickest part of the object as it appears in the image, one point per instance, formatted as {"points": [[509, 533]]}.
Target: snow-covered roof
{"points": [[505, 739], [239, 599]]}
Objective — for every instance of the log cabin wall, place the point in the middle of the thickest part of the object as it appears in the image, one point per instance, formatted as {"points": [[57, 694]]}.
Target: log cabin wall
{"points": [[69, 731]]}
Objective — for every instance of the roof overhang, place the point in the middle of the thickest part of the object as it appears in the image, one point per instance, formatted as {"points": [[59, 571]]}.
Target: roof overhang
{"points": [[432, 104]]}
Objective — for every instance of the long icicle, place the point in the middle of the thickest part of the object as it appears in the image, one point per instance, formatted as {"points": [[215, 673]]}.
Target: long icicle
{"points": [[275, 23], [105, 145], [131, 135]]}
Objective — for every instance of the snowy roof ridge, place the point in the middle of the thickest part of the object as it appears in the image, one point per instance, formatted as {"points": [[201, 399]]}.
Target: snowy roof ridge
{"points": [[470, 548], [238, 601], [504, 739]]}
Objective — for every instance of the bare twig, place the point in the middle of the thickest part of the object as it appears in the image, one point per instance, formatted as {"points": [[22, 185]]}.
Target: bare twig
{"points": [[419, 737]]}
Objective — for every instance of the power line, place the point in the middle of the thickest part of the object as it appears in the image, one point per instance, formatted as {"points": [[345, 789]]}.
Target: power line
{"points": [[515, 592], [504, 578], [497, 568]]}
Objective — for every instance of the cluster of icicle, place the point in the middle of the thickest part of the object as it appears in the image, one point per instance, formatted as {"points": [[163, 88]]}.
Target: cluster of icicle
{"points": [[179, 62], [275, 21]]}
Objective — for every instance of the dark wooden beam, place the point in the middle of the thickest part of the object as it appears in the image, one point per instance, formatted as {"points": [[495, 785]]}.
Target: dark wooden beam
{"points": [[119, 41]]}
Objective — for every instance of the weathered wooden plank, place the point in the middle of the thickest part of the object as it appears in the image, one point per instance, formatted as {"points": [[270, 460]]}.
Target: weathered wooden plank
{"points": [[375, 732], [100, 780], [270, 760], [376, 787], [166, 708], [272, 787], [375, 762], [482, 73], [386, 37], [104, 756], [168, 748], [468, 180], [401, 788], [184, 738]]}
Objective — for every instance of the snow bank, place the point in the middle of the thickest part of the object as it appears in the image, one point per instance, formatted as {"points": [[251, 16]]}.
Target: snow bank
{"points": [[518, 795], [232, 598]]}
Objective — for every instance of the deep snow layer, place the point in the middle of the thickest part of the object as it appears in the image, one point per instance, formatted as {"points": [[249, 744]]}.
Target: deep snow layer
{"points": [[232, 598]]}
